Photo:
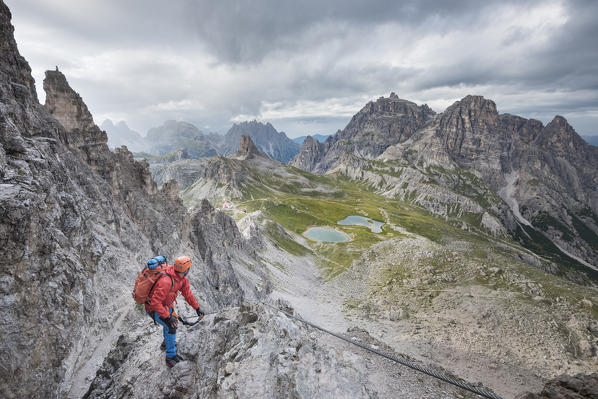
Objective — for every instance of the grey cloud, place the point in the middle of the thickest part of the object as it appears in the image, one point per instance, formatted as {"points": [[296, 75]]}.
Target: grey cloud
{"points": [[288, 52], [311, 126], [341, 81], [246, 31], [115, 22]]}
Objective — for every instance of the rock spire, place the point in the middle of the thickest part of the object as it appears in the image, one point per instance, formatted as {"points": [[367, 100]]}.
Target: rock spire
{"points": [[247, 149]]}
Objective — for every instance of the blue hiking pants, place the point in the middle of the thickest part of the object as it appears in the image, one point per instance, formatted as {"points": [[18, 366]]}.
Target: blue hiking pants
{"points": [[169, 334]]}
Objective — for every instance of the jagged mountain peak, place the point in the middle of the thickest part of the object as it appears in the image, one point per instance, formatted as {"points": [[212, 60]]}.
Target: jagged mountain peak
{"points": [[266, 138], [560, 138], [466, 126], [395, 117], [248, 150], [65, 104], [68, 108], [310, 141], [391, 105], [476, 100], [471, 112], [312, 152], [517, 126], [120, 134], [109, 124], [560, 129], [377, 126], [14, 69], [255, 124]]}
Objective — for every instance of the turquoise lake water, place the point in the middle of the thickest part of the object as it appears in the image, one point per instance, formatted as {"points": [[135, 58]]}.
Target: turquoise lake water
{"points": [[327, 234], [354, 220]]}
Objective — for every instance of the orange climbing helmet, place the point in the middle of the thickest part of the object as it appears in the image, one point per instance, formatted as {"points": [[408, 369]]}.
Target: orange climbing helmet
{"points": [[182, 264]]}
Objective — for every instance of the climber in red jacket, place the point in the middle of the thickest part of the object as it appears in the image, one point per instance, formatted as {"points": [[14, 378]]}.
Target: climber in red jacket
{"points": [[160, 304]]}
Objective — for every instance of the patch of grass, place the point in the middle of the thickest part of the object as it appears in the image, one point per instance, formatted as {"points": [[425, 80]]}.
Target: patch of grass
{"points": [[543, 220], [533, 182], [587, 212], [480, 253], [285, 242], [587, 234], [421, 224], [539, 244], [472, 219], [297, 212]]}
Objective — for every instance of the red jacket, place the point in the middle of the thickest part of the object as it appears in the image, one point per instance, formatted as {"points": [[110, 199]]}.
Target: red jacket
{"points": [[163, 296]]}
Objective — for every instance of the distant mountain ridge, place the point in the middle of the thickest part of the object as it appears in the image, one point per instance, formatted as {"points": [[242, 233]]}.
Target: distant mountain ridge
{"points": [[174, 136], [320, 137], [120, 134], [591, 140], [271, 142]]}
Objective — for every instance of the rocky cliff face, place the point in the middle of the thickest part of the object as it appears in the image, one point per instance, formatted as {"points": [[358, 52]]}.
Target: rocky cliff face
{"points": [[547, 175], [272, 143], [575, 387], [248, 150], [252, 351], [311, 153], [77, 223]]}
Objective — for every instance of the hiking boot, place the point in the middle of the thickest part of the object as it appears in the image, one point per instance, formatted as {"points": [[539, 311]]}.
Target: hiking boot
{"points": [[171, 361]]}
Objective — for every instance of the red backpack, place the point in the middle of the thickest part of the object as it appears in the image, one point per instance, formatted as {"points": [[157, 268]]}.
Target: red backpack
{"points": [[147, 279]]}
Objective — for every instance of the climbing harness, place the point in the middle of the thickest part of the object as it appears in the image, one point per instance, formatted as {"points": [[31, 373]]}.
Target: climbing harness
{"points": [[404, 362]]}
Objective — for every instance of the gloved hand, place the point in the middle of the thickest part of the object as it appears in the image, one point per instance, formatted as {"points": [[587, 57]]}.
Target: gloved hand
{"points": [[171, 321], [199, 313]]}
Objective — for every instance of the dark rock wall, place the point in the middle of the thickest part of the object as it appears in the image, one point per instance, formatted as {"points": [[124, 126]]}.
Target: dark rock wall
{"points": [[76, 224]]}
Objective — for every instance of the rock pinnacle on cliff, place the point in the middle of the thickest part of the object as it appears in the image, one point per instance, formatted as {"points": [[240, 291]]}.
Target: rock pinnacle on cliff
{"points": [[248, 150]]}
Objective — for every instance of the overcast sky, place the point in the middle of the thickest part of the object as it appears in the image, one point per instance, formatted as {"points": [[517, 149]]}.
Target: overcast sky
{"points": [[308, 66]]}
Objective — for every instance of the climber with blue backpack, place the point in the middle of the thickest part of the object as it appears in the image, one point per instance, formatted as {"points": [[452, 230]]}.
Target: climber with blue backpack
{"points": [[165, 282]]}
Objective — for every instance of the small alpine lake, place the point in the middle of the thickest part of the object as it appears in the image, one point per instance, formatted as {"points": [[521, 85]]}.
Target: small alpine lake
{"points": [[354, 220], [327, 234]]}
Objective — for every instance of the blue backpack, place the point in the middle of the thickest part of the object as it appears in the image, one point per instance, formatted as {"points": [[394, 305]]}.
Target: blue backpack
{"points": [[155, 262]]}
